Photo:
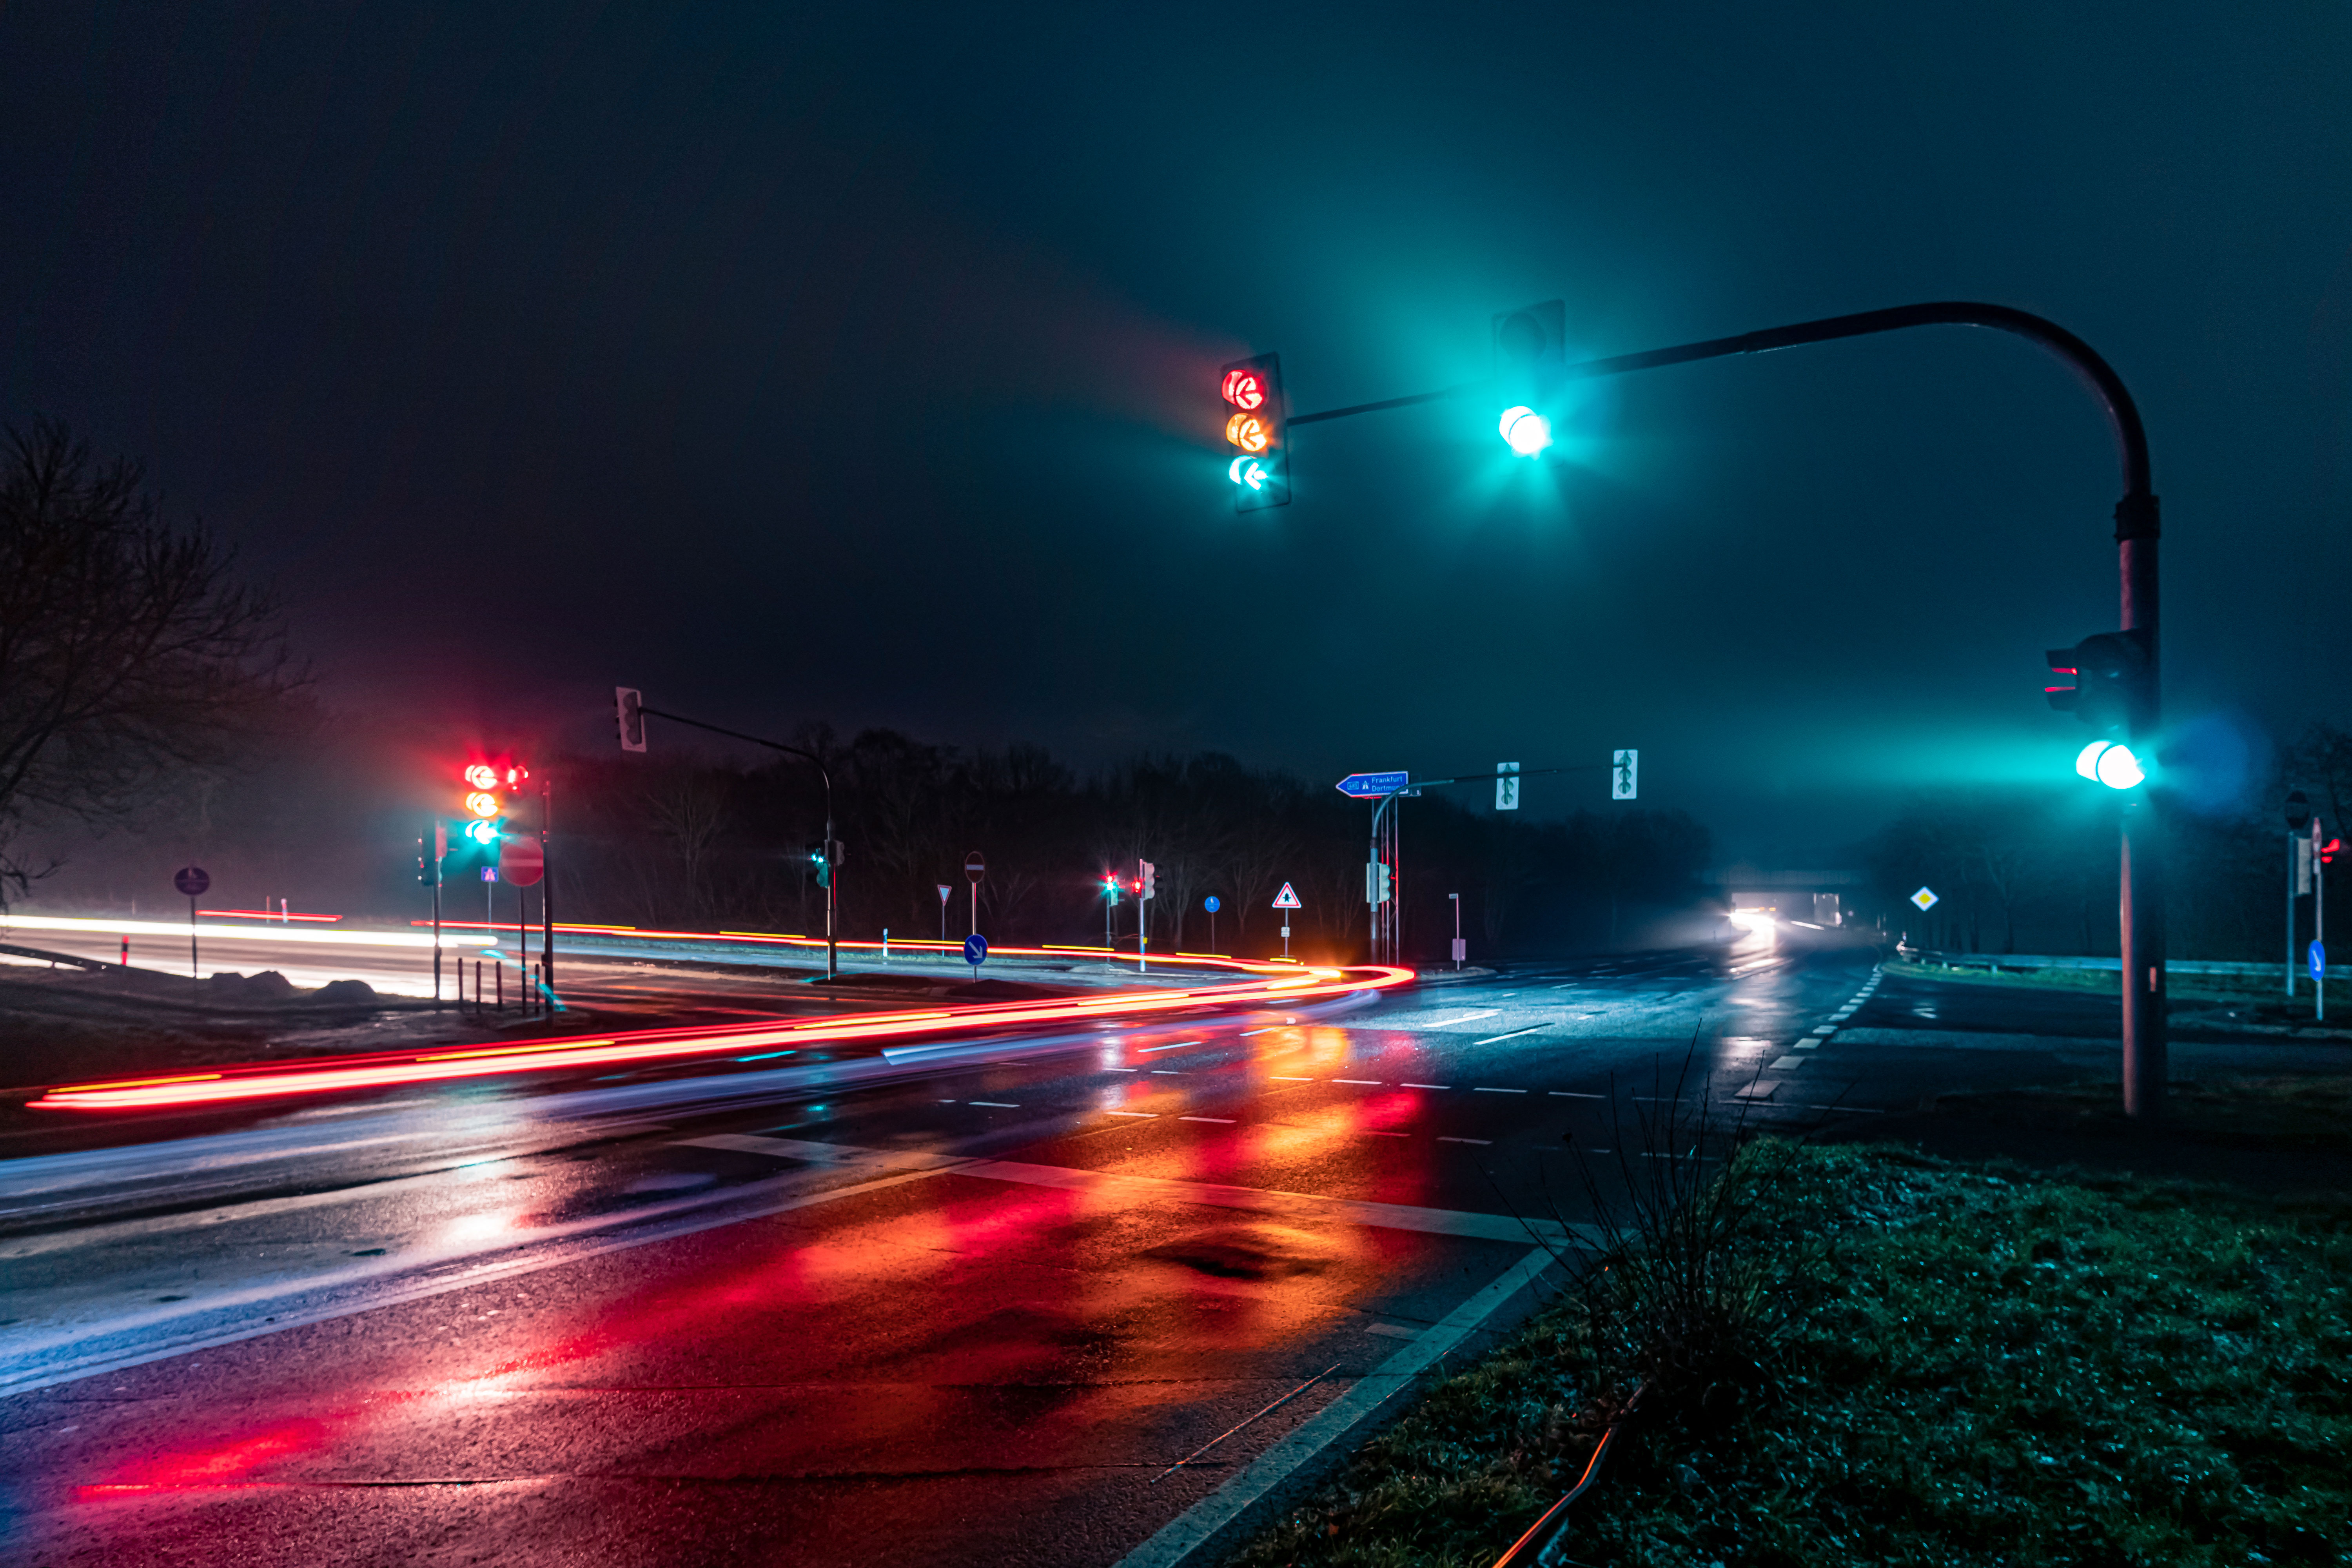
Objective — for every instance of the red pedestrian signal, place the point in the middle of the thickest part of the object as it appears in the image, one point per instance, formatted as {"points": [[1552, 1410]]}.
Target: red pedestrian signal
{"points": [[1258, 466]]}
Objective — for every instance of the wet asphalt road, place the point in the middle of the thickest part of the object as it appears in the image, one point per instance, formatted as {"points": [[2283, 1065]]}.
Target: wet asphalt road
{"points": [[967, 1310]]}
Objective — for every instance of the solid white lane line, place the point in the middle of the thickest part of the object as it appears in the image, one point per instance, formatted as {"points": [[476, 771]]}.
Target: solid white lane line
{"points": [[1513, 1035], [1482, 1088], [1184, 1534]]}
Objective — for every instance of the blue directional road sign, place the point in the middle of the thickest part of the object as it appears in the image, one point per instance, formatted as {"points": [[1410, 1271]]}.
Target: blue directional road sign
{"points": [[2319, 961], [1371, 787], [1211, 904], [975, 950]]}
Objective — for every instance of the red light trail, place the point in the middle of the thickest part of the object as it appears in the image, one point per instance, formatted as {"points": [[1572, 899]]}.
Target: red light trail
{"points": [[385, 1069]]}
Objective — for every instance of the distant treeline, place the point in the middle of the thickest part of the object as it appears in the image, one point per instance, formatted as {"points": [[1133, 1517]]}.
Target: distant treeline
{"points": [[709, 844]]}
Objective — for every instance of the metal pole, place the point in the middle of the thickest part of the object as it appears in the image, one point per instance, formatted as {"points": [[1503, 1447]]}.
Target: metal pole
{"points": [[2319, 920], [2294, 848], [192, 936], [546, 886], [832, 885], [436, 924], [2142, 901]]}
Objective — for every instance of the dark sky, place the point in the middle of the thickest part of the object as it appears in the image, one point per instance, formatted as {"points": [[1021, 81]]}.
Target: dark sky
{"points": [[856, 362]]}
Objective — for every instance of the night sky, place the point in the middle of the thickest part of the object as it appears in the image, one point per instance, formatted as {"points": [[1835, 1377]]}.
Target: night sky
{"points": [[857, 363]]}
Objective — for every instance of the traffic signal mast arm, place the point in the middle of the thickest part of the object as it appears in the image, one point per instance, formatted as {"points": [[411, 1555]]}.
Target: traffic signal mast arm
{"points": [[832, 893]]}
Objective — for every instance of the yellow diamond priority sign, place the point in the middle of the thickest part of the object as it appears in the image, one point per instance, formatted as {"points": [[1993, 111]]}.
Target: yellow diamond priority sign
{"points": [[1926, 899]]}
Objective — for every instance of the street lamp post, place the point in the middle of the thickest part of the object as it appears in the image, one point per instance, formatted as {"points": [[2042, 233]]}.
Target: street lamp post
{"points": [[2141, 905]]}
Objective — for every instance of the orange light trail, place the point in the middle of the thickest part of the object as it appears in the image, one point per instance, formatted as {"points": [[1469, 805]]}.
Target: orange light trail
{"points": [[384, 1070]]}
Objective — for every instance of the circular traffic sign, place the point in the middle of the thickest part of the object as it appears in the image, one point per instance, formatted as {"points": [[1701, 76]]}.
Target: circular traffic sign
{"points": [[522, 861], [192, 880], [1211, 904], [975, 950], [975, 866]]}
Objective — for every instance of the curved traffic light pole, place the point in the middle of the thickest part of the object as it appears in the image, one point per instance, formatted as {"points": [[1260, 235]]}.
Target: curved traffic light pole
{"points": [[2141, 914]]}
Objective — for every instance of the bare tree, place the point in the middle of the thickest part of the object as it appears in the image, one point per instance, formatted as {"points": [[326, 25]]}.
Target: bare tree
{"points": [[130, 651]]}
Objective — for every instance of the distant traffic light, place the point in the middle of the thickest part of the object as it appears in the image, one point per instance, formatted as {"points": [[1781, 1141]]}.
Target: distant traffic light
{"points": [[2099, 679], [1110, 888], [1258, 463], [629, 708], [823, 863], [2329, 850], [1379, 883], [1530, 366], [1147, 881]]}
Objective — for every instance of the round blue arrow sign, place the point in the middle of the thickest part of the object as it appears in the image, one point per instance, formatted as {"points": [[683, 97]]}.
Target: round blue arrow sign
{"points": [[975, 950], [2319, 961], [1211, 904]]}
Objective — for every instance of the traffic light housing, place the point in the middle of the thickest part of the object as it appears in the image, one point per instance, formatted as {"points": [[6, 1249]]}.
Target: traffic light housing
{"points": [[823, 862], [1110, 888], [1147, 881], [2101, 679], [1256, 437], [1379, 883], [1530, 366]]}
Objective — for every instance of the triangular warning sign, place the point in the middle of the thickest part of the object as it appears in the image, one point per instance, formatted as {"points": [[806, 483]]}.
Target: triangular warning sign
{"points": [[1287, 899]]}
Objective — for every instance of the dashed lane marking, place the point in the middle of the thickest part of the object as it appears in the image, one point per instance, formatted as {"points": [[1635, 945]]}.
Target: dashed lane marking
{"points": [[997, 1104], [1424, 1086], [1220, 1121], [1362, 1082], [1571, 1094], [1785, 1063], [1139, 1115], [1178, 1046], [1482, 1142], [1513, 1035], [1482, 1088], [1286, 1078]]}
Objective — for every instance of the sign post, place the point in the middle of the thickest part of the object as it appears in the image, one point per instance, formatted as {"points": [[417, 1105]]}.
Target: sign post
{"points": [[1460, 951], [1146, 888], [192, 880], [1286, 900], [1213, 906], [943, 914]]}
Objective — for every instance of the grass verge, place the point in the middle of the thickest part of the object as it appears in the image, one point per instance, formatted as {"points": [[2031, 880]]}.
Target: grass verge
{"points": [[1956, 1365]]}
